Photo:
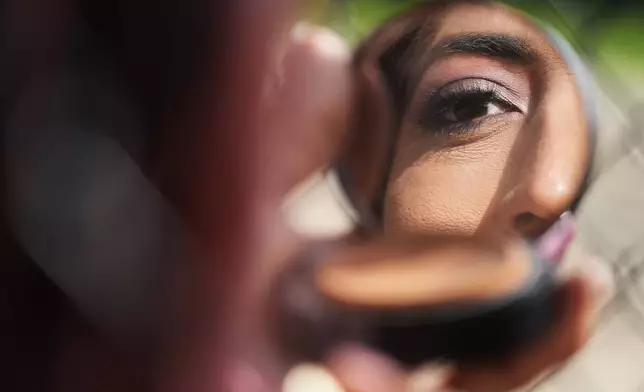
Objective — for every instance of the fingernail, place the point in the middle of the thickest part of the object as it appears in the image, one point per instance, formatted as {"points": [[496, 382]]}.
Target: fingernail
{"points": [[322, 40], [310, 378], [428, 378], [553, 243], [302, 30], [360, 368], [331, 43]]}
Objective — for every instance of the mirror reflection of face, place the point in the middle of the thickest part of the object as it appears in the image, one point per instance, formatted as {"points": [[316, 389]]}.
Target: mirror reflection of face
{"points": [[492, 133]]}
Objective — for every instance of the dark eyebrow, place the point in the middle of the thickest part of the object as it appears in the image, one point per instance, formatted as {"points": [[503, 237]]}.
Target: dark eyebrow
{"points": [[501, 46], [504, 47]]}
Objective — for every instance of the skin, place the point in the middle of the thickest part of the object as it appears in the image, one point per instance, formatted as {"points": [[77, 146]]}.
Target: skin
{"points": [[517, 173], [239, 218], [512, 177]]}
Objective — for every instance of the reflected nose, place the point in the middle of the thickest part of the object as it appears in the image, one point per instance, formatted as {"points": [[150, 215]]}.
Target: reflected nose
{"points": [[551, 189], [549, 174], [539, 202]]}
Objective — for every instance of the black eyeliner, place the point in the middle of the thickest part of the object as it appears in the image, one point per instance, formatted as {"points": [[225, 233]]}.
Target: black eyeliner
{"points": [[439, 100]]}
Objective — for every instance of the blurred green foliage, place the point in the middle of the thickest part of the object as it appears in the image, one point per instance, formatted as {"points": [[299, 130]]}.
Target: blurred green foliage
{"points": [[355, 19], [616, 32]]}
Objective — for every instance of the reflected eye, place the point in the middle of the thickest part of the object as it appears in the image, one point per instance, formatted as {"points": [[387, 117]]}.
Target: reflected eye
{"points": [[474, 107], [464, 105]]}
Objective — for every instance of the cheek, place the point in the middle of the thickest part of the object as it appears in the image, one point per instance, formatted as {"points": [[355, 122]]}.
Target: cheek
{"points": [[444, 195]]}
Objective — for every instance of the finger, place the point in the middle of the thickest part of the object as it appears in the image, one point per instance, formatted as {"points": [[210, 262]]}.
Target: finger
{"points": [[308, 106], [579, 261], [241, 376], [430, 378], [360, 369], [300, 118], [567, 338], [299, 112]]}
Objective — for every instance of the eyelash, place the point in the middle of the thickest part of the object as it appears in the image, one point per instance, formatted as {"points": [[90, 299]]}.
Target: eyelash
{"points": [[442, 100]]}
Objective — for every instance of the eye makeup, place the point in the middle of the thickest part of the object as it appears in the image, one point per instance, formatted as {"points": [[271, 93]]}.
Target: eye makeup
{"points": [[465, 105]]}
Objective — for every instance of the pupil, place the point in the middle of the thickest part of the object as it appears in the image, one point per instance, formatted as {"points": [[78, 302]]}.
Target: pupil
{"points": [[470, 108]]}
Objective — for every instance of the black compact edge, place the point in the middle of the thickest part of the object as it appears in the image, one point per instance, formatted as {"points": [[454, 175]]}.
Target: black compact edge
{"points": [[471, 332], [478, 331]]}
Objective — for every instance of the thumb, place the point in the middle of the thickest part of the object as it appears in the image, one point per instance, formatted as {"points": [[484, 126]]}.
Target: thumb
{"points": [[349, 369], [307, 106], [360, 369]]}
